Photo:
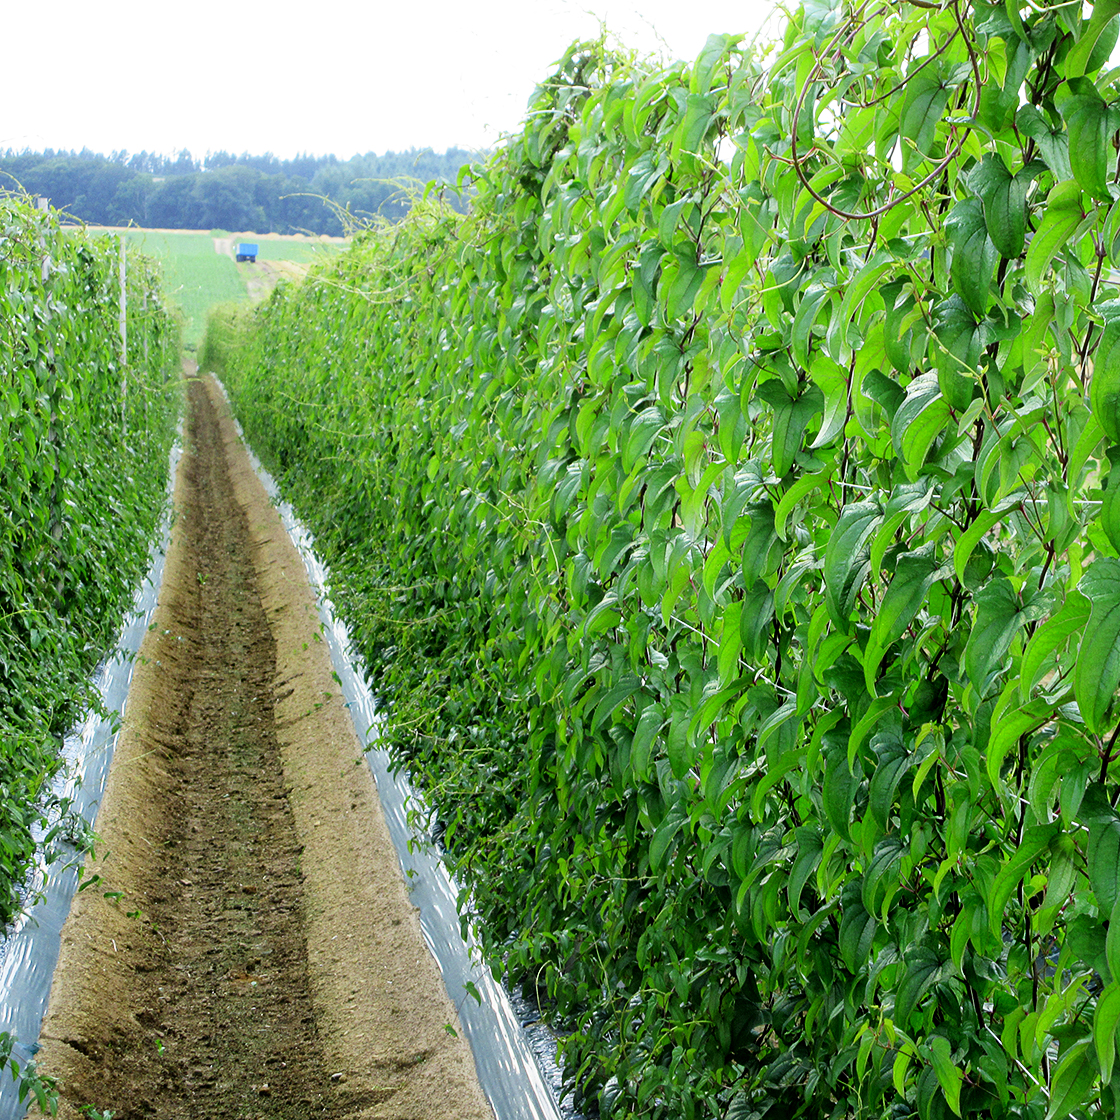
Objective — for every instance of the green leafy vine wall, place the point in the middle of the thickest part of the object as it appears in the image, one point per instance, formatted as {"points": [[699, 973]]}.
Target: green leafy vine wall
{"points": [[83, 473], [726, 509]]}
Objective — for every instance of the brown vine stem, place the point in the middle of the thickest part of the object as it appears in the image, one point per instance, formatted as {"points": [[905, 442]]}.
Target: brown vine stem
{"points": [[816, 72]]}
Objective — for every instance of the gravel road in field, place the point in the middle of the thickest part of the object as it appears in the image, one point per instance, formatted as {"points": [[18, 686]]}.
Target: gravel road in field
{"points": [[248, 949]]}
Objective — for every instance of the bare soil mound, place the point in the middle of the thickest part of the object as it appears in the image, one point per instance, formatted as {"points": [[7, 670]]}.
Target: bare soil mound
{"points": [[249, 949]]}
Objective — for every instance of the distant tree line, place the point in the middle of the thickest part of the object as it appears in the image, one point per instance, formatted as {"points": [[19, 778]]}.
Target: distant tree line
{"points": [[224, 191]]}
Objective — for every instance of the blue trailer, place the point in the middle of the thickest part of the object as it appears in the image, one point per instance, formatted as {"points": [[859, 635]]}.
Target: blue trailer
{"points": [[246, 251]]}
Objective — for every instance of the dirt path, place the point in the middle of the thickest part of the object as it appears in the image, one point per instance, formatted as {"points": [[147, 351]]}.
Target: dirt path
{"points": [[249, 950]]}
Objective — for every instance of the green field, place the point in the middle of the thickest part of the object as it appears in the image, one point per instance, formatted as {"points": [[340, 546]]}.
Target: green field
{"points": [[301, 252], [195, 277]]}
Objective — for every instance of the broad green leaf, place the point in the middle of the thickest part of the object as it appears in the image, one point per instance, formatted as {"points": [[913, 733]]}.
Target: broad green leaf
{"points": [[755, 618], [1112, 940], [972, 536], [962, 340], [923, 105], [640, 436], [898, 1071], [857, 930], [663, 837], [1071, 1081], [974, 256], [804, 486], [1035, 840], [730, 644], [1103, 858], [1062, 216], [648, 727], [1090, 126], [845, 559], [810, 846], [949, 1076], [882, 872], [1096, 673], [714, 52], [1053, 145], [839, 787], [921, 969], [920, 419], [1104, 390], [833, 384], [1080, 56], [801, 334], [1051, 636], [858, 288], [914, 573], [885, 782], [998, 618], [1004, 199], [1106, 1018], [1009, 728]]}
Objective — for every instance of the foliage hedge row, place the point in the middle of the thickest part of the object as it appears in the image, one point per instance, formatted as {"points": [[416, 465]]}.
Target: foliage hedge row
{"points": [[726, 507], [83, 471]]}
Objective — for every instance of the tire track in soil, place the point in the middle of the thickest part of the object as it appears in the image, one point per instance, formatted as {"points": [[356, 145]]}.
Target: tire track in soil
{"points": [[219, 1017]]}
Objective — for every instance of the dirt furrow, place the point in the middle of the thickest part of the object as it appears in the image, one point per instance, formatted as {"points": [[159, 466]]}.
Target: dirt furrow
{"points": [[246, 947]]}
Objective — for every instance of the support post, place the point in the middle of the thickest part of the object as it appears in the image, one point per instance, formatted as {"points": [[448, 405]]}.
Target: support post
{"points": [[123, 275]]}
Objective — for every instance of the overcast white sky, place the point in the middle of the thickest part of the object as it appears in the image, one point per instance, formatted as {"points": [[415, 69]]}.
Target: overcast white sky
{"points": [[336, 76]]}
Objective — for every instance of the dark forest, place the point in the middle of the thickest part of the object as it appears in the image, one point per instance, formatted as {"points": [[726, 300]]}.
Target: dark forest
{"points": [[262, 194]]}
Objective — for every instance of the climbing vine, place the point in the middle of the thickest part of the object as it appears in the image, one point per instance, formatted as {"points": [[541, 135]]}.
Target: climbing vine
{"points": [[84, 442], [725, 507]]}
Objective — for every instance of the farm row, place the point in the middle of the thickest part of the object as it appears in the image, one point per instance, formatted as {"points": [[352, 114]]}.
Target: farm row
{"points": [[726, 506]]}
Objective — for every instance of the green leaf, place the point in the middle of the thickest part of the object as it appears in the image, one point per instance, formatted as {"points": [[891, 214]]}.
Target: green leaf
{"points": [[1009, 729], [1052, 145], [846, 559], [974, 255], [1062, 216], [1071, 1081], [1035, 840], [755, 618], [663, 837], [1090, 127], [640, 436], [914, 574], [801, 334], [714, 52], [1096, 673], [948, 1075], [885, 782], [1104, 389], [833, 384], [972, 536], [1103, 859], [920, 419], [839, 786], [921, 969], [1079, 58], [810, 846], [1004, 199], [857, 930], [1050, 637], [998, 618], [923, 105], [1112, 940], [804, 486], [1106, 1018], [962, 340]]}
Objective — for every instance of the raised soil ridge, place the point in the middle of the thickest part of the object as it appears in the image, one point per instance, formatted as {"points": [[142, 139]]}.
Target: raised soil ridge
{"points": [[247, 948]]}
